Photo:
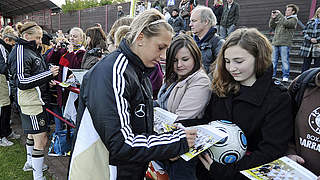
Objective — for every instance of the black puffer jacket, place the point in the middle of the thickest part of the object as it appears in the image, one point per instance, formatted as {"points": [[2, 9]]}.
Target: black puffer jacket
{"points": [[210, 46], [176, 23], [118, 95], [28, 68]]}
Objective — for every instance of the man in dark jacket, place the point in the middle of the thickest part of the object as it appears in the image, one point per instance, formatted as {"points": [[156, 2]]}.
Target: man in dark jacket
{"points": [[202, 26], [176, 21], [229, 19]]}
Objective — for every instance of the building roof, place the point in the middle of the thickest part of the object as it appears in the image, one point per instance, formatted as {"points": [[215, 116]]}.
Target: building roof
{"points": [[18, 7]]}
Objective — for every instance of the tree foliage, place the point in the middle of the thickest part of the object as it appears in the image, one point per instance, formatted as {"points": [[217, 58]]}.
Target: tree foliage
{"points": [[72, 5]]}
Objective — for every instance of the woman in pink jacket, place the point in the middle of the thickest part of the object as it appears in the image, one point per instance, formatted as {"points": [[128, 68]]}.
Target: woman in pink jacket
{"points": [[185, 92]]}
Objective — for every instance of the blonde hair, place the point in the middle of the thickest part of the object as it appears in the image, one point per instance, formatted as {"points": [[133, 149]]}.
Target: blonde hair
{"points": [[120, 22], [60, 39], [189, 33], [316, 13], [82, 34], [29, 27], [45, 48], [220, 2], [150, 23], [120, 34], [9, 32]]}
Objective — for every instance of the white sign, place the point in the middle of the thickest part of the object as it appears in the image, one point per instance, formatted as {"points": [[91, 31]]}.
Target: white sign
{"points": [[170, 3]]}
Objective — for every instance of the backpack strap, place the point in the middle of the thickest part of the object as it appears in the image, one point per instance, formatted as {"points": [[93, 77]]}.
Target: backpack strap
{"points": [[306, 79]]}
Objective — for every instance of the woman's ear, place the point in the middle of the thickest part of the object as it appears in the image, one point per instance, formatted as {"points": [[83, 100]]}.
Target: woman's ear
{"points": [[6, 40], [26, 36], [140, 39], [140, 36]]}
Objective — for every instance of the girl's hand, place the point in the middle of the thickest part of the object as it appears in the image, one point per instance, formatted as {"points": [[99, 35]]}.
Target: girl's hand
{"points": [[296, 158], [206, 160]]}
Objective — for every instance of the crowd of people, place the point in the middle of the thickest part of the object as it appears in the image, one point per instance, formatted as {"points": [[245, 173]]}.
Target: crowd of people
{"points": [[213, 71]]}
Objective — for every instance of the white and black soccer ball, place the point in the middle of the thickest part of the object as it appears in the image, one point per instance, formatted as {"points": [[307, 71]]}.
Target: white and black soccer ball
{"points": [[233, 147]]}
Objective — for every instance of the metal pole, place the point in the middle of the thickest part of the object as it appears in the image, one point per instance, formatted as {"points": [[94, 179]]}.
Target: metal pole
{"points": [[79, 24], [106, 22], [59, 20]]}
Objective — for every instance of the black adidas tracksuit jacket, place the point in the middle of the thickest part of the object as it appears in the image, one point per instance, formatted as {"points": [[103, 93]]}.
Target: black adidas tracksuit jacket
{"points": [[29, 70], [118, 95]]}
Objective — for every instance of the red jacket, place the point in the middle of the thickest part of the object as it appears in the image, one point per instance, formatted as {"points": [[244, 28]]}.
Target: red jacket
{"points": [[63, 58]]}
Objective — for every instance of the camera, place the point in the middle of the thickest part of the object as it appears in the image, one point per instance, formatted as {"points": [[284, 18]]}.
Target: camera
{"points": [[97, 52], [64, 45]]}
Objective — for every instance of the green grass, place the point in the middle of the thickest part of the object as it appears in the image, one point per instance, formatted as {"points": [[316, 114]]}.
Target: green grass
{"points": [[12, 160]]}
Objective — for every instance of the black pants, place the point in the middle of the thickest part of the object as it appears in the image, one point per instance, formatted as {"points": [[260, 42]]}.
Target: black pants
{"points": [[307, 63], [5, 129]]}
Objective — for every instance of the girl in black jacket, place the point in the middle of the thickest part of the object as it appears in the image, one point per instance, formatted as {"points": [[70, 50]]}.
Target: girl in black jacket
{"points": [[245, 93]]}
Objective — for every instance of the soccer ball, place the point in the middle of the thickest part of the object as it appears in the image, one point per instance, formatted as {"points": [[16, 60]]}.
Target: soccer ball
{"points": [[230, 149]]}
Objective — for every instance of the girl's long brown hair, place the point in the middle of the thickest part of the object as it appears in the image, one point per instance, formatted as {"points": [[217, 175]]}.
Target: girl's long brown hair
{"points": [[252, 41], [179, 42]]}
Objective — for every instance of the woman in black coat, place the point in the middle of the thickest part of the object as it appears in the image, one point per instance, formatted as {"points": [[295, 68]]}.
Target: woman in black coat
{"points": [[245, 93]]}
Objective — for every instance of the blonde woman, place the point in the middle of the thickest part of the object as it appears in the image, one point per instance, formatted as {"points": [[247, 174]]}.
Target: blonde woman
{"points": [[32, 77], [116, 97], [111, 36], [68, 54], [6, 43], [120, 34]]}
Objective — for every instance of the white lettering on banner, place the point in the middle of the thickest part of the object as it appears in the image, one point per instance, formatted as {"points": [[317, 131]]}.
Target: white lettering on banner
{"points": [[313, 138], [309, 144], [314, 120]]}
